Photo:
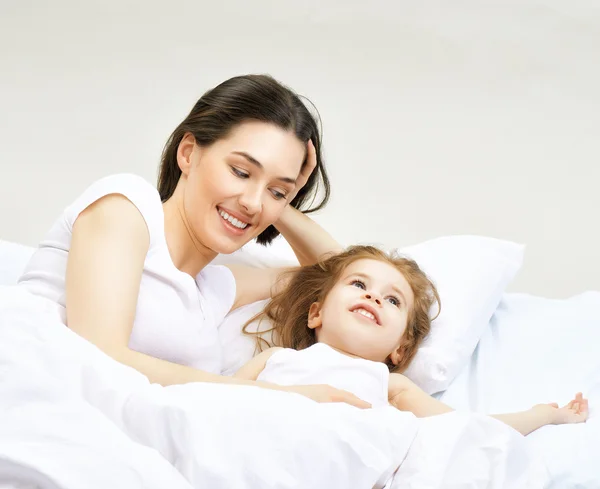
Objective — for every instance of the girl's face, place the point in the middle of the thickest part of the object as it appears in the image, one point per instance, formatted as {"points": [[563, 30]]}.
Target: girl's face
{"points": [[366, 312], [238, 186]]}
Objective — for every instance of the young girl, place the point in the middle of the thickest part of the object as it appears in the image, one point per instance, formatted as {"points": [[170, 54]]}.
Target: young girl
{"points": [[355, 321]]}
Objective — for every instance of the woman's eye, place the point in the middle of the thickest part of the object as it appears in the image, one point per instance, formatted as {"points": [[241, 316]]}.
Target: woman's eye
{"points": [[359, 284], [239, 173], [278, 195], [394, 301]]}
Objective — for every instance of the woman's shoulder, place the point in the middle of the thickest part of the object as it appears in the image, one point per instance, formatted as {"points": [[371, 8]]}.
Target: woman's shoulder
{"points": [[132, 186], [137, 190]]}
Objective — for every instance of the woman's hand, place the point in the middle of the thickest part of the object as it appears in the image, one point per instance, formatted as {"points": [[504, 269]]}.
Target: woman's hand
{"points": [[326, 393], [311, 164], [309, 241], [575, 411]]}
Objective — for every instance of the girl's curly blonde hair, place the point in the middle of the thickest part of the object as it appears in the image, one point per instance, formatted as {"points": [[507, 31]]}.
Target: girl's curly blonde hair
{"points": [[288, 309]]}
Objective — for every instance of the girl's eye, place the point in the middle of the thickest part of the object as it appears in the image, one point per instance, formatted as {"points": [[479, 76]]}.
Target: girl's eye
{"points": [[277, 195], [239, 173], [394, 301], [359, 284]]}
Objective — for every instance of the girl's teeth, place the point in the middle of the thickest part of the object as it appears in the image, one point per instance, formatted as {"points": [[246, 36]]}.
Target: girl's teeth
{"points": [[366, 314]]}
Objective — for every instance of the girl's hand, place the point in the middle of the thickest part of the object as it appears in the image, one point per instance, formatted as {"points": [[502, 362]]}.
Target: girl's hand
{"points": [[311, 164], [326, 393], [575, 411]]}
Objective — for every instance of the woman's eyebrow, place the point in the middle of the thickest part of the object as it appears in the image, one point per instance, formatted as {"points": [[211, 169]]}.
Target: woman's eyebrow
{"points": [[258, 164]]}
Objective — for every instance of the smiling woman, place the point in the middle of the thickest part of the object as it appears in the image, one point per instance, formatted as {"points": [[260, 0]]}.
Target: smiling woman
{"points": [[258, 120], [129, 266], [247, 176]]}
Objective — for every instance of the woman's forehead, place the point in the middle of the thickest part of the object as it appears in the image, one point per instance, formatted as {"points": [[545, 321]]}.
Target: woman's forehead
{"points": [[273, 147]]}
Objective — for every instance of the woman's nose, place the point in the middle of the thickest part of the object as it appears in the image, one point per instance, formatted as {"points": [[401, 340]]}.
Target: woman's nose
{"points": [[250, 200], [371, 297]]}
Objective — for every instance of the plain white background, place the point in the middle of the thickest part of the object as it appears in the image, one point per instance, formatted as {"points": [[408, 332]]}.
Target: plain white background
{"points": [[466, 117]]}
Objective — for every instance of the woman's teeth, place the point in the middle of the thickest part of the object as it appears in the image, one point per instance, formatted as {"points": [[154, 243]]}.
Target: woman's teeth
{"points": [[233, 220], [365, 313]]}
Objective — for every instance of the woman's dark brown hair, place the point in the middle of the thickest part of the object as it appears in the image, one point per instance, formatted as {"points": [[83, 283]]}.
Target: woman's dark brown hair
{"points": [[241, 99], [288, 310]]}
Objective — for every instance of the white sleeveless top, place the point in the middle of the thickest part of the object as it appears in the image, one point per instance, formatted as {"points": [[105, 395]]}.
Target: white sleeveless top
{"points": [[321, 364], [177, 316]]}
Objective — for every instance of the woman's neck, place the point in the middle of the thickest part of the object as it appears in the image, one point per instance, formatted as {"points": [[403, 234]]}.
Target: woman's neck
{"points": [[188, 254]]}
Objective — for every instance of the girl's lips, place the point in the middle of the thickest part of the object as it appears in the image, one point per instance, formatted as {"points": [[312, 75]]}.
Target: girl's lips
{"points": [[368, 308]]}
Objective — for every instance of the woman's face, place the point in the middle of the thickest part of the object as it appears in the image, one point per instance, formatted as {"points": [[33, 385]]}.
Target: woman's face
{"points": [[239, 185]]}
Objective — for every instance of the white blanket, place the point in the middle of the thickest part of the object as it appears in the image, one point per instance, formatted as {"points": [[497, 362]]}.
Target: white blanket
{"points": [[541, 350], [71, 417]]}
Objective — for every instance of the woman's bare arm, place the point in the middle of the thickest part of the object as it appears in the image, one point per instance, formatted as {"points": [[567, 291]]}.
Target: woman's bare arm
{"points": [[310, 243], [104, 269]]}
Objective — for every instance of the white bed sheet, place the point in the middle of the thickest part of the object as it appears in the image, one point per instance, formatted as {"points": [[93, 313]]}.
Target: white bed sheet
{"points": [[73, 414], [535, 350], [540, 350], [13, 258]]}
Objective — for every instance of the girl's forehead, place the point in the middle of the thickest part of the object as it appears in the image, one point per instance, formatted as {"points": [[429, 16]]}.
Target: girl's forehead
{"points": [[369, 266]]}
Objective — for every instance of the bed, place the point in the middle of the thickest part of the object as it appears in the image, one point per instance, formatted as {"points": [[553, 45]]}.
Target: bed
{"points": [[540, 350], [532, 350]]}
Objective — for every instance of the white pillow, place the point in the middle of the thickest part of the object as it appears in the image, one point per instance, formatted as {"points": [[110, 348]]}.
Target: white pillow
{"points": [[13, 258], [470, 272]]}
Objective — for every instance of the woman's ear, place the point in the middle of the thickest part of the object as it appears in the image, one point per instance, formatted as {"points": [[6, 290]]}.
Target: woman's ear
{"points": [[185, 150], [314, 316]]}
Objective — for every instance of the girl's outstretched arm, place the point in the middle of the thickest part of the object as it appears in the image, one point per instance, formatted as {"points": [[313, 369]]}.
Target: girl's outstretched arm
{"points": [[406, 396]]}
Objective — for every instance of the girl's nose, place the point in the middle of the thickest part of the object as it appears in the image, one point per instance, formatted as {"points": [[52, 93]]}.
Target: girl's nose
{"points": [[371, 298]]}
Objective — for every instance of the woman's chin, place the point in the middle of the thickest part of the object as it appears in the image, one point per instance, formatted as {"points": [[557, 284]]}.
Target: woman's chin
{"points": [[227, 238], [225, 245]]}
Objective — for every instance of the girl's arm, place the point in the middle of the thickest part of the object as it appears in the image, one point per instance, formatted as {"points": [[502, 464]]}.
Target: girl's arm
{"points": [[406, 396], [104, 270], [254, 367]]}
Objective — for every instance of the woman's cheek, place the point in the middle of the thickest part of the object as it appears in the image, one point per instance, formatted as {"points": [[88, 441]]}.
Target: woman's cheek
{"points": [[273, 209]]}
